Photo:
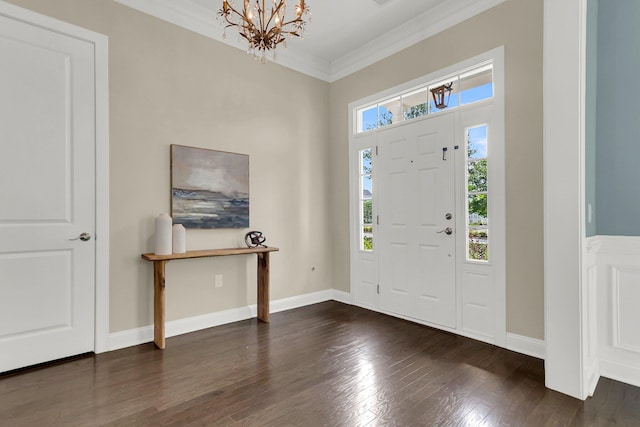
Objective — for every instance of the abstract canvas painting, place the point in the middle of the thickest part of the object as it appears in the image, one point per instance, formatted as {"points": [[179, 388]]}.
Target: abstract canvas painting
{"points": [[209, 189]]}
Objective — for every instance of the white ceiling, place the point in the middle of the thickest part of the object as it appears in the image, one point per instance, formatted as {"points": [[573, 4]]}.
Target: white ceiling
{"points": [[343, 35], [338, 27]]}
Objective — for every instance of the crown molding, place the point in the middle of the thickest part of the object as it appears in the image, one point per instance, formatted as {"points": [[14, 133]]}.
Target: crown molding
{"points": [[414, 31], [193, 17], [198, 19]]}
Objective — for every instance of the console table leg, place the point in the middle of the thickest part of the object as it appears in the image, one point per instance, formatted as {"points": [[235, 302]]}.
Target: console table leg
{"points": [[263, 286], [158, 303]]}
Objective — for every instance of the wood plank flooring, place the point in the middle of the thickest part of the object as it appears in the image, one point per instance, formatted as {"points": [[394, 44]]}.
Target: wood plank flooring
{"points": [[327, 364]]}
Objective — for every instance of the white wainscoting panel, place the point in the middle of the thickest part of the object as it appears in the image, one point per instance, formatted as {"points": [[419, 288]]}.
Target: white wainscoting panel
{"points": [[625, 315], [618, 277]]}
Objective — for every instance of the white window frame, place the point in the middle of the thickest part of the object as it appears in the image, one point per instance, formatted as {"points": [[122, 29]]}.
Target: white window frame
{"points": [[423, 86], [467, 195]]}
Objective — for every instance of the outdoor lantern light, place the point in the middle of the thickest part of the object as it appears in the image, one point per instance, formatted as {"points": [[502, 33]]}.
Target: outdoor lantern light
{"points": [[441, 95]]}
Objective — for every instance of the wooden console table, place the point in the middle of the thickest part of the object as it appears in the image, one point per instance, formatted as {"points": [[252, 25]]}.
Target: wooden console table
{"points": [[159, 262]]}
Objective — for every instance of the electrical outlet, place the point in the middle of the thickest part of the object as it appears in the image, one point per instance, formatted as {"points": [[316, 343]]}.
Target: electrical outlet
{"points": [[218, 280]]}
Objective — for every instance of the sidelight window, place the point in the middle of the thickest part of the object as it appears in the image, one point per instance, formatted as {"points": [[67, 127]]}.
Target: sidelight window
{"points": [[477, 194], [366, 200]]}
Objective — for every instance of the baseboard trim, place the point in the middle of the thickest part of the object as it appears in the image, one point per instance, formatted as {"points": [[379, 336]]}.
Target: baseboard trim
{"points": [[118, 340], [173, 328], [341, 296], [620, 372], [593, 376], [290, 303], [132, 337], [526, 345]]}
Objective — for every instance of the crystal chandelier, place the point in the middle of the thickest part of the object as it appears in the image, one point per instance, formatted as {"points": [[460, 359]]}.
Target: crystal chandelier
{"points": [[264, 30]]}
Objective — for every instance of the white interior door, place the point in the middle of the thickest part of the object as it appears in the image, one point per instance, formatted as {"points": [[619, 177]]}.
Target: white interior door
{"points": [[417, 225], [47, 194]]}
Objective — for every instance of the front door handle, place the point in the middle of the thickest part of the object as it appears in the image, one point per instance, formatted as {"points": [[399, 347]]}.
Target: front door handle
{"points": [[447, 231], [84, 237]]}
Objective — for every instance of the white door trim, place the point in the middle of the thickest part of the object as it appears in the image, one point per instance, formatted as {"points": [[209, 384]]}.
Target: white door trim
{"points": [[101, 50], [565, 300]]}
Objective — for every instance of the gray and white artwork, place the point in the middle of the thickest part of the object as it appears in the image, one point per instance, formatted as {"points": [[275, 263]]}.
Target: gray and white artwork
{"points": [[209, 189]]}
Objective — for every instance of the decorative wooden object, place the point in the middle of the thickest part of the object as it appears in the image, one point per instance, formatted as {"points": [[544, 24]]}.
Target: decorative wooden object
{"points": [[159, 262]]}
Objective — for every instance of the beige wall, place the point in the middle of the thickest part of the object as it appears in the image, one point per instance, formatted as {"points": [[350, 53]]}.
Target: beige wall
{"points": [[516, 24], [169, 85]]}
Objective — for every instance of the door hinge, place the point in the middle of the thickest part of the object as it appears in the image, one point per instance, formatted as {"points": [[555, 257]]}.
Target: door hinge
{"points": [[376, 150], [378, 289], [377, 219]]}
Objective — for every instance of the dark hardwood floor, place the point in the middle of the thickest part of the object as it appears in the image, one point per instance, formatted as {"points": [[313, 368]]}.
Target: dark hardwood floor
{"points": [[327, 364]]}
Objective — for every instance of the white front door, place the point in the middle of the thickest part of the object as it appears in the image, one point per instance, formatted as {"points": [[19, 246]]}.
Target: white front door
{"points": [[431, 246], [417, 220], [47, 194]]}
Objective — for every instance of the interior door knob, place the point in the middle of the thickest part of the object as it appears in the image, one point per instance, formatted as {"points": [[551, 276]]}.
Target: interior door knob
{"points": [[84, 237], [447, 230]]}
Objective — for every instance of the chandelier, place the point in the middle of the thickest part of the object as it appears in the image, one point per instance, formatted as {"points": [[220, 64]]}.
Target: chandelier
{"points": [[264, 30]]}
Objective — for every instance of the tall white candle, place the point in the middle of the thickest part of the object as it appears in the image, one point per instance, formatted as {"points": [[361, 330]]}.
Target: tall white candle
{"points": [[179, 239], [163, 234]]}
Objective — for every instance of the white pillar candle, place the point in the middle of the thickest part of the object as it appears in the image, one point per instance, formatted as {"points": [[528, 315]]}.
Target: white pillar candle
{"points": [[179, 239], [163, 234]]}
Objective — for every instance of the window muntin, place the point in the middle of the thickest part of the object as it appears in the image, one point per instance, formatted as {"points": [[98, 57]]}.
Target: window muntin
{"points": [[468, 87], [477, 213], [366, 200]]}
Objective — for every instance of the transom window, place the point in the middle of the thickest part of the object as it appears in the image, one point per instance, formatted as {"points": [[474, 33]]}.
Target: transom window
{"points": [[466, 88]]}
